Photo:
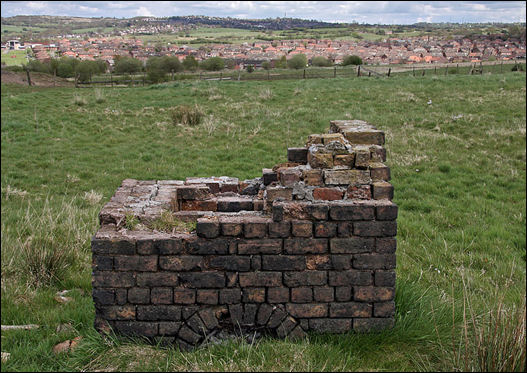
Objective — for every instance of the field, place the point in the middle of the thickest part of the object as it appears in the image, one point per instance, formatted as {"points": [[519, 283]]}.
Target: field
{"points": [[456, 148], [19, 59]]}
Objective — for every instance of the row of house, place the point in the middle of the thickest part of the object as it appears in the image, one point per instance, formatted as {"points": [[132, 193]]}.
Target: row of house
{"points": [[389, 51]]}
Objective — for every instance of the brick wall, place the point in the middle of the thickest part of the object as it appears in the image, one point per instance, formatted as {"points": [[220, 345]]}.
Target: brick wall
{"points": [[310, 245]]}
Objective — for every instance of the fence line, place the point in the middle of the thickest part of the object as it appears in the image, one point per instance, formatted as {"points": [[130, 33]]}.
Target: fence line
{"points": [[359, 71]]}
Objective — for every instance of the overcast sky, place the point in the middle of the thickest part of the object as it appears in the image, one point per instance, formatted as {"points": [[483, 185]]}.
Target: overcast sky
{"points": [[384, 12]]}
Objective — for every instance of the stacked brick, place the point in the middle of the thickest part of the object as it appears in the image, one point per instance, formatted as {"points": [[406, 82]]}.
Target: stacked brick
{"points": [[309, 246]]}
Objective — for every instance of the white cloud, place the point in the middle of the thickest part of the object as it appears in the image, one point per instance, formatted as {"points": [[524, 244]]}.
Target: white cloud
{"points": [[143, 11]]}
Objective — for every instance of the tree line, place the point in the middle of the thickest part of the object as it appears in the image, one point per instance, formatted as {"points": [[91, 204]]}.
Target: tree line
{"points": [[157, 68]]}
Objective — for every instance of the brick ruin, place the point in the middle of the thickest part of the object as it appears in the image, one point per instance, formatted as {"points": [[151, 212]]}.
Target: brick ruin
{"points": [[309, 246]]}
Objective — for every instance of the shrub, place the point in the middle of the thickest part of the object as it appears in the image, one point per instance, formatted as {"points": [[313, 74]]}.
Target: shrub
{"points": [[213, 64], [281, 63], [79, 101], [167, 222], [250, 68], [517, 68], [298, 61], [321, 61], [352, 60], [127, 65], [99, 96], [187, 115], [190, 63], [266, 65]]}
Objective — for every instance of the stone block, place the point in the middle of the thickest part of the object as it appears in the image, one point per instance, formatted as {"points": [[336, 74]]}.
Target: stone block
{"points": [[351, 211], [204, 246], [203, 279], [375, 228], [230, 263], [277, 295], [230, 296], [253, 295], [306, 245], [382, 190], [255, 228], [207, 296], [362, 159], [298, 155], [347, 160], [199, 205], [306, 278], [350, 309], [161, 296], [181, 262], [234, 204], [379, 171], [328, 194], [279, 229], [258, 279], [302, 228], [193, 192], [208, 227], [336, 326], [373, 293], [320, 160], [272, 193], [325, 229], [341, 262], [157, 278], [283, 263], [374, 261], [345, 177], [386, 212], [184, 296], [343, 293], [135, 328], [139, 295], [107, 279], [351, 245], [307, 310], [261, 246], [362, 191], [269, 176], [289, 176], [313, 177], [318, 262], [384, 309], [385, 245], [323, 294], [301, 295], [350, 278], [159, 312]]}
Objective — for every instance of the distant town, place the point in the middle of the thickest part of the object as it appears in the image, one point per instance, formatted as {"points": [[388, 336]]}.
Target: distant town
{"points": [[390, 48]]}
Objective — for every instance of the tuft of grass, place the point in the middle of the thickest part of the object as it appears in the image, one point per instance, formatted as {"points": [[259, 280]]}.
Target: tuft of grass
{"points": [[131, 221], [79, 101], [167, 222], [187, 115], [265, 94], [92, 197], [99, 96]]}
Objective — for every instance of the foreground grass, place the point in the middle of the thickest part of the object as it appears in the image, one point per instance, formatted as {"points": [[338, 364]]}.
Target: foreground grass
{"points": [[458, 167]]}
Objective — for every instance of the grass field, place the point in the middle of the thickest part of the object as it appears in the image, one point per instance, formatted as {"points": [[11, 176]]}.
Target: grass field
{"points": [[456, 148], [19, 59]]}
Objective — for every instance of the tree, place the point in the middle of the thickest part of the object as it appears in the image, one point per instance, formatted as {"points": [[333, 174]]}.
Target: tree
{"points": [[86, 69], [154, 69], [213, 64], [321, 61], [170, 63], [250, 68], [190, 63], [281, 63], [298, 61], [127, 65], [352, 60], [266, 65]]}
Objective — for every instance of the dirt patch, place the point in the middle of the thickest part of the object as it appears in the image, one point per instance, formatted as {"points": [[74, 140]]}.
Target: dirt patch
{"points": [[37, 79]]}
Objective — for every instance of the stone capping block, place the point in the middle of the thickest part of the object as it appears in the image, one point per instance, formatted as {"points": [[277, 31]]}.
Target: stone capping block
{"points": [[309, 246]]}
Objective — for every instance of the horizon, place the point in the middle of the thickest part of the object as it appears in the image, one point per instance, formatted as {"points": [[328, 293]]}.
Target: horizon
{"points": [[349, 12]]}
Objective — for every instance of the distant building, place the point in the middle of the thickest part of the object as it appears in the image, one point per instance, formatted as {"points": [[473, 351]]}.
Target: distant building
{"points": [[13, 45]]}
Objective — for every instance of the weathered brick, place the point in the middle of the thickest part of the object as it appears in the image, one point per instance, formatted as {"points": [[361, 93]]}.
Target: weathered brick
{"points": [[269, 176], [136, 263], [169, 328], [362, 159], [146, 247], [231, 229], [230, 263], [347, 160], [107, 279], [181, 262], [306, 278], [345, 228], [346, 177], [374, 261], [349, 278], [285, 327], [317, 211], [121, 296], [265, 246], [208, 228], [382, 190], [277, 211], [302, 228], [234, 204], [205, 246], [207, 296], [379, 171], [283, 263], [256, 262], [255, 229], [373, 293], [307, 310], [343, 293], [137, 328], [352, 245], [385, 278], [328, 194], [193, 192], [188, 311], [139, 295], [372, 324], [126, 312], [301, 295], [306, 245], [159, 312], [253, 295], [169, 246], [161, 296], [249, 314], [384, 309], [386, 212], [320, 160], [278, 295], [208, 316], [313, 177], [103, 297], [289, 176], [203, 279], [272, 193], [277, 317], [198, 205], [156, 279], [323, 294], [196, 324], [347, 211], [102, 263], [385, 245], [264, 312], [375, 228], [189, 335], [367, 136], [279, 229], [361, 191], [257, 279], [298, 155], [112, 247], [341, 262], [350, 309], [325, 229], [318, 262], [184, 296], [230, 296], [330, 325]]}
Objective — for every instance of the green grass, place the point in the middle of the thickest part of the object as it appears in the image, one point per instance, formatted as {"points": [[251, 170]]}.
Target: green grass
{"points": [[19, 59], [457, 164]]}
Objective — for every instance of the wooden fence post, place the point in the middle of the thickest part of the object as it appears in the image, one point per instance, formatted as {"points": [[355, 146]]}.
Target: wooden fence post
{"points": [[480, 67], [446, 70], [501, 67], [389, 71], [28, 77], [413, 70], [435, 70], [423, 71], [369, 74], [221, 76], [54, 76], [111, 79], [334, 72], [358, 71], [304, 73], [76, 80], [457, 68]]}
